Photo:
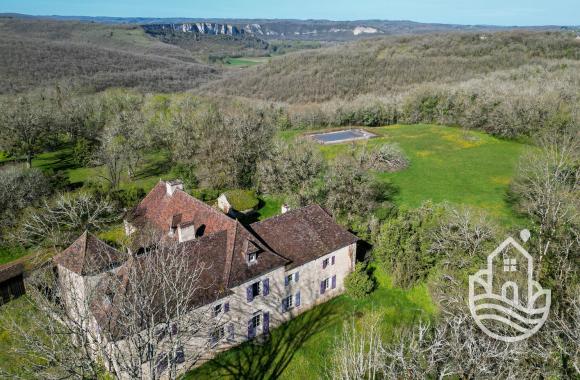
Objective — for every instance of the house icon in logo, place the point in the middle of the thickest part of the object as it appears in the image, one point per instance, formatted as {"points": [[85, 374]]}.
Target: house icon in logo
{"points": [[504, 299]]}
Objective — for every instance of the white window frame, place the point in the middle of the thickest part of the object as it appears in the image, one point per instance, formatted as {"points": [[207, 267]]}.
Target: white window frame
{"points": [[326, 283], [326, 262], [257, 320], [290, 302]]}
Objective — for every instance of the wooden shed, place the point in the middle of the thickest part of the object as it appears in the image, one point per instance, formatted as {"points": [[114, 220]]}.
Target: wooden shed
{"points": [[11, 282]]}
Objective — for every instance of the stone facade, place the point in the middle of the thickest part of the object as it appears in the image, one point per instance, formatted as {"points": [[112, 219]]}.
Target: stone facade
{"points": [[273, 270]]}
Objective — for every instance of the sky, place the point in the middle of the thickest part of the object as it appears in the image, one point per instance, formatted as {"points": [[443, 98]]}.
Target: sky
{"points": [[490, 12]]}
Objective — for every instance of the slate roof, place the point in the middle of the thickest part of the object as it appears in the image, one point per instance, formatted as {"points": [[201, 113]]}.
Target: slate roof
{"points": [[88, 256], [303, 235]]}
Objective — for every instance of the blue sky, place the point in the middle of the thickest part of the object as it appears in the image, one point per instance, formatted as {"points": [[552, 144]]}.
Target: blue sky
{"points": [[498, 12]]}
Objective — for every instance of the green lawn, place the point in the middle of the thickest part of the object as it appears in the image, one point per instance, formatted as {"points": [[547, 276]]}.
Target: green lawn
{"points": [[9, 253], [301, 348], [447, 165], [246, 61], [156, 165]]}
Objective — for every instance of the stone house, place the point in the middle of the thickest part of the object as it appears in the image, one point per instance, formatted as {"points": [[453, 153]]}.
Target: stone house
{"points": [[261, 275]]}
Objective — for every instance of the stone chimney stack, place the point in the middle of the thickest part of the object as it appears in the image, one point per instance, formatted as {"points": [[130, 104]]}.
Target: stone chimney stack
{"points": [[186, 232], [172, 186]]}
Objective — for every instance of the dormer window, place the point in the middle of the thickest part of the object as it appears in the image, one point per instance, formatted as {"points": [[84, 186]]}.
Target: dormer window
{"points": [[252, 251], [253, 257]]}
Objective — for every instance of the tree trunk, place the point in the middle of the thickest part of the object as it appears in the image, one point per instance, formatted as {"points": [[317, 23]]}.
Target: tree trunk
{"points": [[28, 160]]}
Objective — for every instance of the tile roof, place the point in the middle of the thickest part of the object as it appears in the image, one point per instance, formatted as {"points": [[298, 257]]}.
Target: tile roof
{"points": [[290, 240], [303, 235], [88, 256]]}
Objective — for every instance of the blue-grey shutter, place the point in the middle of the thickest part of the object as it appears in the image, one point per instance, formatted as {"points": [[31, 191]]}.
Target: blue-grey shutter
{"points": [[332, 260], [286, 282], [251, 329], [179, 355], [333, 281], [322, 289], [231, 331], [324, 262], [249, 294], [266, 284], [266, 328], [297, 302], [296, 277], [226, 307], [213, 337], [284, 305]]}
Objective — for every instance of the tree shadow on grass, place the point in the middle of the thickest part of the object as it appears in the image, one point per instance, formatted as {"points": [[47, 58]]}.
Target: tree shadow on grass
{"points": [[267, 357], [153, 168]]}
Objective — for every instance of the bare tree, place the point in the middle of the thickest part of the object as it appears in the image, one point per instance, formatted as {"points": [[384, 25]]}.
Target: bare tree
{"points": [[25, 124], [58, 222], [152, 314], [292, 170], [547, 188], [135, 315], [359, 351]]}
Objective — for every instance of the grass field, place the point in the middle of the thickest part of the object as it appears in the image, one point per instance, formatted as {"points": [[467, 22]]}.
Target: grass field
{"points": [[447, 164], [246, 61], [301, 348]]}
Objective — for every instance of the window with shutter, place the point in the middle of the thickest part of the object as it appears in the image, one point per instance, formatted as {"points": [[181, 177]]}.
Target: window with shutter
{"points": [[296, 277], [333, 260], [231, 332], [333, 281], [322, 287], [226, 307], [298, 299], [266, 284], [287, 303], [324, 263]]}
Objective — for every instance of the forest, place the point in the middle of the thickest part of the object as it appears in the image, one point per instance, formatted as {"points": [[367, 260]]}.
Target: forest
{"points": [[477, 139]]}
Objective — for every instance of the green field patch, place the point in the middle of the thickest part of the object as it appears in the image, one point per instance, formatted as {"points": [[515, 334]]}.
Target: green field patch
{"points": [[246, 61], [447, 164]]}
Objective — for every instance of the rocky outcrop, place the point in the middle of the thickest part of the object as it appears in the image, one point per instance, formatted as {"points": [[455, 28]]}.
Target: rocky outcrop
{"points": [[208, 28]]}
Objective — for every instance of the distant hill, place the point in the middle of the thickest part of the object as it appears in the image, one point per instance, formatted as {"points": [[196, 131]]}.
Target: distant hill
{"points": [[395, 64], [321, 30], [42, 52]]}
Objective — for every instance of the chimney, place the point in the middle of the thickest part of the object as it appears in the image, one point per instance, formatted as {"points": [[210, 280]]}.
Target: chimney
{"points": [[285, 208], [172, 186], [186, 232]]}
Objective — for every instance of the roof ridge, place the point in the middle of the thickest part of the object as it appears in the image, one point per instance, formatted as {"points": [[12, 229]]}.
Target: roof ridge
{"points": [[230, 258]]}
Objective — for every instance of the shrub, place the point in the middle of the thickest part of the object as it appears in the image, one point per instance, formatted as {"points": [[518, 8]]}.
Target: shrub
{"points": [[359, 283], [83, 152], [389, 157]]}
